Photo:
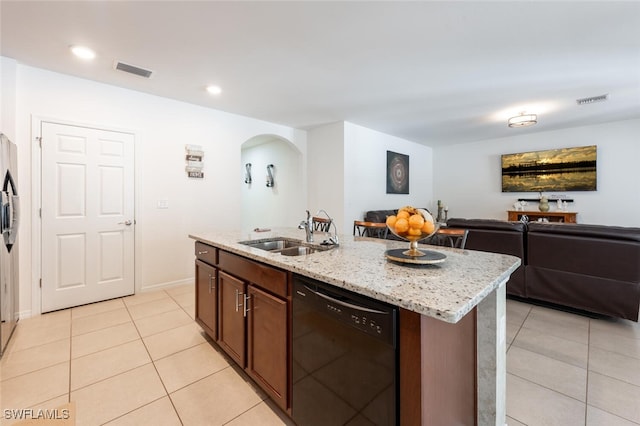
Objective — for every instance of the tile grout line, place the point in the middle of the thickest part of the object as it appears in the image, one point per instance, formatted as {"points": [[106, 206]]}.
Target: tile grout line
{"points": [[75, 415], [605, 375], [244, 412], [548, 388], [153, 363], [519, 329], [129, 412], [586, 390]]}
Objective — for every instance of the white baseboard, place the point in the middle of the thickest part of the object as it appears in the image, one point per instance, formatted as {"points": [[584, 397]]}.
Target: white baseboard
{"points": [[169, 284], [24, 314]]}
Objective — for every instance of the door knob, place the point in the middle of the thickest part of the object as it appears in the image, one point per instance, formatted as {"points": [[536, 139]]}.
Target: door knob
{"points": [[126, 222]]}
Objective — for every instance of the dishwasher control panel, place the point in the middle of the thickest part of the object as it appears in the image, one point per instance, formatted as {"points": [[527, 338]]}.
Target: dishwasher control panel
{"points": [[370, 316]]}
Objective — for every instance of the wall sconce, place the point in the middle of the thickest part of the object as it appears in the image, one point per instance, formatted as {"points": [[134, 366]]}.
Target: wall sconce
{"points": [[247, 176], [270, 181]]}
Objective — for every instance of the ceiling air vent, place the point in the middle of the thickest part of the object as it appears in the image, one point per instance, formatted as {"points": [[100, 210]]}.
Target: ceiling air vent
{"points": [[131, 69], [592, 99]]}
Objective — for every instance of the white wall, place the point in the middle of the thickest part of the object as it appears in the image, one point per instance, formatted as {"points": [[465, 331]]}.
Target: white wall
{"points": [[365, 173], [162, 127], [8, 97], [347, 172], [468, 178], [326, 172], [280, 205]]}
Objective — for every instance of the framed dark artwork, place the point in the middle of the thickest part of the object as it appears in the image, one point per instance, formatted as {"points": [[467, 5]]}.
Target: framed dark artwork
{"points": [[565, 169], [397, 173]]}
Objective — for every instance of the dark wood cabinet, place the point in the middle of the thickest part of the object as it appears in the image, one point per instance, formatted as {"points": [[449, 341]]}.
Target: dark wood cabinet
{"points": [[267, 343], [231, 317], [206, 298], [245, 307]]}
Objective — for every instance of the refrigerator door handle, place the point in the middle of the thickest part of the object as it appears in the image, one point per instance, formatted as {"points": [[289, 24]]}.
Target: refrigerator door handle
{"points": [[15, 219], [4, 213], [10, 211], [8, 180]]}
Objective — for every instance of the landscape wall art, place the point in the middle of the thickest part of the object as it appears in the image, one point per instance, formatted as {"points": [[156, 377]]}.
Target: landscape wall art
{"points": [[565, 169]]}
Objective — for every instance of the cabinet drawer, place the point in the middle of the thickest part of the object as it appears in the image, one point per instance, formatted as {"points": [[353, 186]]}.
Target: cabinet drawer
{"points": [[267, 277], [206, 253]]}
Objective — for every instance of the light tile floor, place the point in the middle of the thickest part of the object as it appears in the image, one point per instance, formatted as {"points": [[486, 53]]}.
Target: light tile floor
{"points": [[142, 360], [567, 369], [139, 360]]}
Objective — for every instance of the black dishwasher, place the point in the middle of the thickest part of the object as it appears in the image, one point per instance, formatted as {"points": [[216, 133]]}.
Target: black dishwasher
{"points": [[344, 357]]}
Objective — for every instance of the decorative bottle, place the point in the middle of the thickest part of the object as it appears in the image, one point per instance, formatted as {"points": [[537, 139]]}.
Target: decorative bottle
{"points": [[543, 206], [439, 217]]}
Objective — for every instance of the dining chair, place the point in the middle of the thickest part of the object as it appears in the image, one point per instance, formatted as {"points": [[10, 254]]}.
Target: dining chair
{"points": [[370, 229]]}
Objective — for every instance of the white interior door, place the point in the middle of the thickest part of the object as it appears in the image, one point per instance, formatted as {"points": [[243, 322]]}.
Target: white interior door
{"points": [[87, 215]]}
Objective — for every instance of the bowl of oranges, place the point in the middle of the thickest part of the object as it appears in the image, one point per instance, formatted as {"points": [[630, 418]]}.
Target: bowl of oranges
{"points": [[413, 225]]}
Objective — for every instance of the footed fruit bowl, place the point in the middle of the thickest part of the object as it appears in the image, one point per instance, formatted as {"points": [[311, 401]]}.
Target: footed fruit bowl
{"points": [[412, 224]]}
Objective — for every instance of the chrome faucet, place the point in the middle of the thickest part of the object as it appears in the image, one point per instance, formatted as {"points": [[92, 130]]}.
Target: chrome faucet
{"points": [[307, 225]]}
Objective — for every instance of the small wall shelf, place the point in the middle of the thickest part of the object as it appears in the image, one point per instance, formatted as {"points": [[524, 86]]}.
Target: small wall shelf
{"points": [[535, 200]]}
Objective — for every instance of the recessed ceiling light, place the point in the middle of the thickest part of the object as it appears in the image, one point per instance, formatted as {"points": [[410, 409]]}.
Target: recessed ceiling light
{"points": [[214, 90], [83, 52]]}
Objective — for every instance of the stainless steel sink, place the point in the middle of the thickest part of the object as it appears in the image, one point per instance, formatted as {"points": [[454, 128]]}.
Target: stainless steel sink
{"points": [[297, 251], [285, 246], [272, 244]]}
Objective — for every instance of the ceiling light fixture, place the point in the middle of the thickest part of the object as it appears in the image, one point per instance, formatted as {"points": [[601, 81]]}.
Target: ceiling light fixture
{"points": [[214, 90], [523, 120], [83, 52]]}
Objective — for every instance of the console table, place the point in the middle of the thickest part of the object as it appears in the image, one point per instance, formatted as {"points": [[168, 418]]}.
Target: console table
{"points": [[557, 216]]}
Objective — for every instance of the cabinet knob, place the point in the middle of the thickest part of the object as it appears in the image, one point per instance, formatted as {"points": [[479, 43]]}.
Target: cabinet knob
{"points": [[203, 252]]}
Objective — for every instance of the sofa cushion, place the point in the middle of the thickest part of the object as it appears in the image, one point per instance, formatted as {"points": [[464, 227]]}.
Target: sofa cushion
{"points": [[586, 250], [590, 267]]}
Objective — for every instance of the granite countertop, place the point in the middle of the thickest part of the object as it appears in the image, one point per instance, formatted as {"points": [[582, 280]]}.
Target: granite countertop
{"points": [[446, 291]]}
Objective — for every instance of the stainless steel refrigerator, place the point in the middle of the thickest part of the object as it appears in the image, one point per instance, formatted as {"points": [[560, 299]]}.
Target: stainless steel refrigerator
{"points": [[9, 221]]}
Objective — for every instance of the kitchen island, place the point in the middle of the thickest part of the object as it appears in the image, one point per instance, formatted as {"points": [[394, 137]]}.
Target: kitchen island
{"points": [[451, 329]]}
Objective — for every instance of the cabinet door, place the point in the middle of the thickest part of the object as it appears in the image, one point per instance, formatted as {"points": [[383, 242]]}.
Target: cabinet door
{"points": [[267, 343], [231, 317], [206, 300]]}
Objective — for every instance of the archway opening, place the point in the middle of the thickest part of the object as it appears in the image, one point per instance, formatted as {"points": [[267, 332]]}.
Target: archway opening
{"points": [[273, 184]]}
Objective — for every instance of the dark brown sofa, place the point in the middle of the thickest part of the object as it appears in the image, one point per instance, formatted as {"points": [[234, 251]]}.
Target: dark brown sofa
{"points": [[378, 215], [594, 268], [590, 267], [498, 236]]}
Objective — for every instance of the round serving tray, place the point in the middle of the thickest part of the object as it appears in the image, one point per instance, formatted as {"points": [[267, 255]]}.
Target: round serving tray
{"points": [[429, 257]]}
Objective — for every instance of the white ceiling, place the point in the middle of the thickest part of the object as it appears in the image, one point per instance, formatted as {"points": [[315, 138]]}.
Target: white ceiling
{"points": [[430, 72]]}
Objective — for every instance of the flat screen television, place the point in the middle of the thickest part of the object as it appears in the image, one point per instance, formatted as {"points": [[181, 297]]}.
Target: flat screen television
{"points": [[565, 169]]}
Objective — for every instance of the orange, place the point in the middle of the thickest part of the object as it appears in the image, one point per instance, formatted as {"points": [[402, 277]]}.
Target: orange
{"points": [[401, 226], [416, 221], [416, 232], [408, 209], [403, 214], [428, 227], [391, 220]]}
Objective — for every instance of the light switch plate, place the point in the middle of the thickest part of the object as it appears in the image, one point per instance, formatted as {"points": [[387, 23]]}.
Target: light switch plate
{"points": [[163, 204]]}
